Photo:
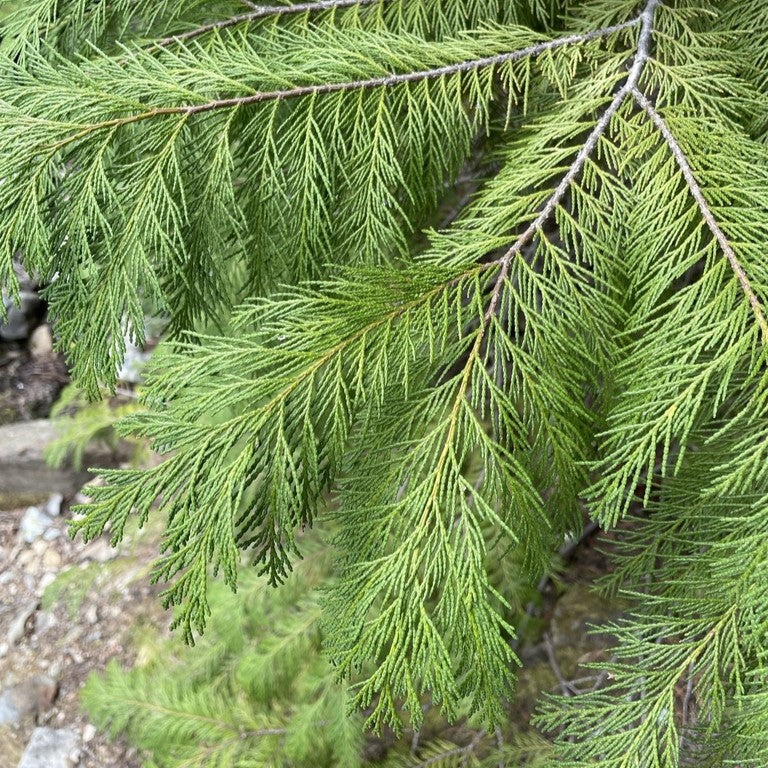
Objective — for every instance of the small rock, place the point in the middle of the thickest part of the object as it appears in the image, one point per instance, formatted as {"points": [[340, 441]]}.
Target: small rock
{"points": [[75, 656], [3, 650], [39, 547], [99, 551], [92, 614], [33, 525], [53, 505], [21, 319], [46, 581], [12, 744], [134, 362], [28, 699], [50, 748], [18, 626], [51, 559], [41, 341], [45, 620], [25, 558], [26, 283], [88, 733], [51, 534]]}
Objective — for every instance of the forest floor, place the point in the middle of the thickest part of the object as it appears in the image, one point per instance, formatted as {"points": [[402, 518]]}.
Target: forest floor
{"points": [[66, 609]]}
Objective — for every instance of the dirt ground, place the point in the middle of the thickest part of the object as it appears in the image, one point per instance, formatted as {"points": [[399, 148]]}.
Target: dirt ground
{"points": [[66, 609]]}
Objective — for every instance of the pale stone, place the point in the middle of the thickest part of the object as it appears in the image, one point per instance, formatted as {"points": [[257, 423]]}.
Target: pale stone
{"points": [[53, 505], [51, 559], [18, 625], [26, 479], [92, 614], [99, 551], [41, 341], [50, 748], [27, 699], [33, 525]]}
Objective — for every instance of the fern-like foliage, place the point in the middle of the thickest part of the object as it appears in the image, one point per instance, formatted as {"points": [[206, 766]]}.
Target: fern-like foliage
{"points": [[138, 182], [588, 326], [80, 424], [258, 692]]}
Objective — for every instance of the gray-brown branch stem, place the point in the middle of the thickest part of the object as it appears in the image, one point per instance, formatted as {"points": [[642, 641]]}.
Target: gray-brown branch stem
{"points": [[385, 81]]}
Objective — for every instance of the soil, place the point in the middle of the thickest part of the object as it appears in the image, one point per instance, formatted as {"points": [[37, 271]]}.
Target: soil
{"points": [[29, 383], [85, 605]]}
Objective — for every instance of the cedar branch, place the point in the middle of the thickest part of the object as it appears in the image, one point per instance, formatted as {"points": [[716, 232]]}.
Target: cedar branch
{"points": [[630, 85], [385, 81], [641, 57], [706, 211]]}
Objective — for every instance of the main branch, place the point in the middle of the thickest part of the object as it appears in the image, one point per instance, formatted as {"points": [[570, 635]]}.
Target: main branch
{"points": [[630, 85], [385, 81], [640, 58]]}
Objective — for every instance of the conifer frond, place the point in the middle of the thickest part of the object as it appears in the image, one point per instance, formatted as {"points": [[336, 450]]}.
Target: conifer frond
{"points": [[69, 25], [80, 423], [746, 29], [318, 363], [689, 657], [116, 178], [250, 697], [593, 316], [663, 385], [261, 12]]}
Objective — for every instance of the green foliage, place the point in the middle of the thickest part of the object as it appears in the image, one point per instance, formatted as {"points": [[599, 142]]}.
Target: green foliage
{"points": [[71, 587], [74, 584], [257, 691], [584, 323]]}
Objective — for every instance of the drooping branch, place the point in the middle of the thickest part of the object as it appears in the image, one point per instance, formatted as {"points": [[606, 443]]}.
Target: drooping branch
{"points": [[385, 81], [706, 211], [454, 751], [260, 12], [641, 57]]}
